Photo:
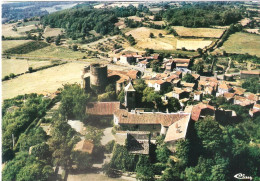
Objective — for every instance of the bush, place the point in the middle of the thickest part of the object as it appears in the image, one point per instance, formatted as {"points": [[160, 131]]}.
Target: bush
{"points": [[12, 75], [109, 146], [30, 69], [6, 77]]}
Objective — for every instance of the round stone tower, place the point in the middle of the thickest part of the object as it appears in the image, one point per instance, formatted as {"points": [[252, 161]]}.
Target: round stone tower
{"points": [[98, 77]]}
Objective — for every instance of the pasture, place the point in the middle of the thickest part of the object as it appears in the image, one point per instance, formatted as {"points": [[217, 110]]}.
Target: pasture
{"points": [[8, 32], [242, 43], [58, 52], [199, 32]]}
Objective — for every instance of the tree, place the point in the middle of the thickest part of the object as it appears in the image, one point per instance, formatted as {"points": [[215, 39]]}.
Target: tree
{"points": [[75, 47], [198, 67], [48, 39], [210, 134], [57, 41], [199, 50], [121, 96], [173, 105], [41, 151], [83, 160], [144, 169], [151, 96], [94, 134], [30, 69], [189, 78], [151, 35], [160, 35], [73, 102], [62, 142], [251, 85]]}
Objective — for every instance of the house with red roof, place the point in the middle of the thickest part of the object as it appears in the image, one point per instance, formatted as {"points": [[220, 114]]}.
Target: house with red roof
{"points": [[102, 110]]}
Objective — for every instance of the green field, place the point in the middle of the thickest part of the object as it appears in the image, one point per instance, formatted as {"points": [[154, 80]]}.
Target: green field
{"points": [[56, 52], [7, 44], [242, 43]]}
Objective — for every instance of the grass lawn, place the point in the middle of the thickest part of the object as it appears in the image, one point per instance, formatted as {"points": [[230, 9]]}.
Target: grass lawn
{"points": [[7, 44], [242, 43]]}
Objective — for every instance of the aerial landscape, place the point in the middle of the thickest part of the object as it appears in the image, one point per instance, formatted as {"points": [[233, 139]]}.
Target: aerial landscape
{"points": [[134, 90]]}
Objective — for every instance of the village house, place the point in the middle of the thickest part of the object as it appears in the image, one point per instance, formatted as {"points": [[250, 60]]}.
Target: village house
{"points": [[223, 88], [244, 74], [242, 101], [177, 83], [102, 110], [255, 111], [200, 111], [144, 64], [180, 93], [239, 91], [192, 86], [197, 96], [159, 85], [229, 97], [155, 122]]}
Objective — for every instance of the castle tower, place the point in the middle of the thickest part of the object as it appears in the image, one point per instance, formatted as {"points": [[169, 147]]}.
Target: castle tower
{"points": [[98, 77], [130, 96]]}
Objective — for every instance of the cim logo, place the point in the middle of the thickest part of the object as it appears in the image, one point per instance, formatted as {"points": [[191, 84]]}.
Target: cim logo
{"points": [[242, 176]]}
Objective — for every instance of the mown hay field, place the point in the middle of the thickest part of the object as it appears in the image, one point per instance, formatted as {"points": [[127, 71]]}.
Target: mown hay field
{"points": [[141, 35], [18, 66], [192, 44], [199, 32], [8, 32], [48, 80], [7, 44], [242, 43]]}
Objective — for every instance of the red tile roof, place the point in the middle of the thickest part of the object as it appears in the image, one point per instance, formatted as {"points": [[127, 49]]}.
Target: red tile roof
{"points": [[182, 65], [166, 119], [102, 108], [133, 74], [196, 110], [181, 60]]}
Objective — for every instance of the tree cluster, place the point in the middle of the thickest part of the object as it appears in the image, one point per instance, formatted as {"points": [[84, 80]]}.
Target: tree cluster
{"points": [[202, 15]]}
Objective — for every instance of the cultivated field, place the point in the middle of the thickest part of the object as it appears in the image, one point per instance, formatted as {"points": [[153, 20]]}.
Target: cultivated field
{"points": [[18, 66], [199, 32], [49, 32], [8, 32], [7, 44], [53, 51], [242, 43], [192, 44]]}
